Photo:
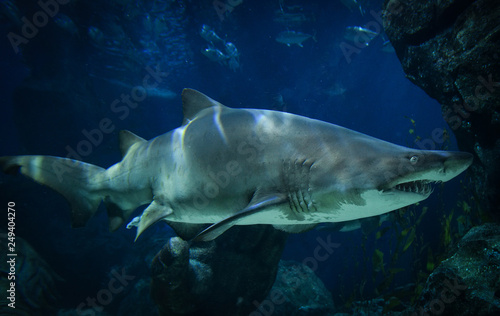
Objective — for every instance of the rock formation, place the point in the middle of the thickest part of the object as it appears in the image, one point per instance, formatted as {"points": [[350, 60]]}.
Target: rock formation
{"points": [[221, 277], [451, 49], [467, 283]]}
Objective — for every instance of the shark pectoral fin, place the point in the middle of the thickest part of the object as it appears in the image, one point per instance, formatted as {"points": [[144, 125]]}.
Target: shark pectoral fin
{"points": [[295, 228], [256, 205], [152, 214]]}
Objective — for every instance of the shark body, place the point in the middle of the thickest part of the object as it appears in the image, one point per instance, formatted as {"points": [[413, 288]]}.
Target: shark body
{"points": [[228, 167]]}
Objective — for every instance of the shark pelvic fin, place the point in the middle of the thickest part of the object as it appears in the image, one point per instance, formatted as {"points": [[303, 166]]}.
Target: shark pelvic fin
{"points": [[127, 139], [255, 206], [193, 102], [152, 214]]}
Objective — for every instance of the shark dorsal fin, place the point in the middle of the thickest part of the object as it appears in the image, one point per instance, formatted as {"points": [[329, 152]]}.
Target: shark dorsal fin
{"points": [[193, 102], [127, 139]]}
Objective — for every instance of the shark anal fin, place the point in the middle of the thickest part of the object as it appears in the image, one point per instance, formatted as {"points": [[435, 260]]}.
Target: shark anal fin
{"points": [[255, 206], [116, 215], [127, 139]]}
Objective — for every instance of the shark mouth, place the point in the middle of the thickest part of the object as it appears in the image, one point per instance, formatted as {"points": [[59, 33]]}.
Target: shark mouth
{"points": [[422, 187]]}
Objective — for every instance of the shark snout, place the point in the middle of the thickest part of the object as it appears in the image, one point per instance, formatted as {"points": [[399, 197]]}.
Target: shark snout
{"points": [[455, 163], [459, 157], [443, 165]]}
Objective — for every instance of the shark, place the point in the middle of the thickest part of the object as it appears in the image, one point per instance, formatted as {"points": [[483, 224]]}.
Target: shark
{"points": [[225, 166]]}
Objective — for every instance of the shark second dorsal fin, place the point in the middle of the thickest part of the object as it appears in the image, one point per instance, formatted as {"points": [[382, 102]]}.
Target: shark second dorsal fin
{"points": [[127, 139], [193, 102]]}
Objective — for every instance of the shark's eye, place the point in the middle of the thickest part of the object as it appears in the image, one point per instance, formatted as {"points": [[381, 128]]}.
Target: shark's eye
{"points": [[413, 160]]}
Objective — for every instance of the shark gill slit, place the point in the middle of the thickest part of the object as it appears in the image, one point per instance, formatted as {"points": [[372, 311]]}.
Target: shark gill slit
{"points": [[295, 177]]}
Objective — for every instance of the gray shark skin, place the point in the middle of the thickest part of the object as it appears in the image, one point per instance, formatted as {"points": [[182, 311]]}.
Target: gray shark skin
{"points": [[244, 167]]}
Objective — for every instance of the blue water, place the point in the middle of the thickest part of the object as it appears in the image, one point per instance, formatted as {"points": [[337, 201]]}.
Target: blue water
{"points": [[87, 72]]}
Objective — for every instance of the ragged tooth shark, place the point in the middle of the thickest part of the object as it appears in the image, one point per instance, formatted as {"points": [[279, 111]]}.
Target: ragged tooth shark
{"points": [[228, 167]]}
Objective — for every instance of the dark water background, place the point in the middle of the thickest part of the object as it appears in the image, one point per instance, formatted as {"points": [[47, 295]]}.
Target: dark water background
{"points": [[84, 74]]}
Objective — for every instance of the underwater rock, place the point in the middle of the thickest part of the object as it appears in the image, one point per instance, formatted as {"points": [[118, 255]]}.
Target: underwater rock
{"points": [[296, 291], [220, 277], [467, 283], [87, 311], [138, 302], [450, 49], [34, 283], [369, 307]]}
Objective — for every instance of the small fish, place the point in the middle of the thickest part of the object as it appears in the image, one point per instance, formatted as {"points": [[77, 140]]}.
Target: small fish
{"points": [[159, 92], [209, 35], [233, 56], [368, 225], [289, 19], [359, 34], [279, 103], [64, 22], [291, 37], [214, 55], [233, 64], [387, 47], [353, 5], [335, 90], [231, 50], [95, 34]]}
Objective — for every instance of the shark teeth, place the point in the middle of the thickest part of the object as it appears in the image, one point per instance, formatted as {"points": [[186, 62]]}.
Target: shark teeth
{"points": [[420, 187]]}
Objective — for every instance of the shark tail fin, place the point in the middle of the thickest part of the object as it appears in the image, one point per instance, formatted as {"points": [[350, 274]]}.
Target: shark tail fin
{"points": [[77, 181]]}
